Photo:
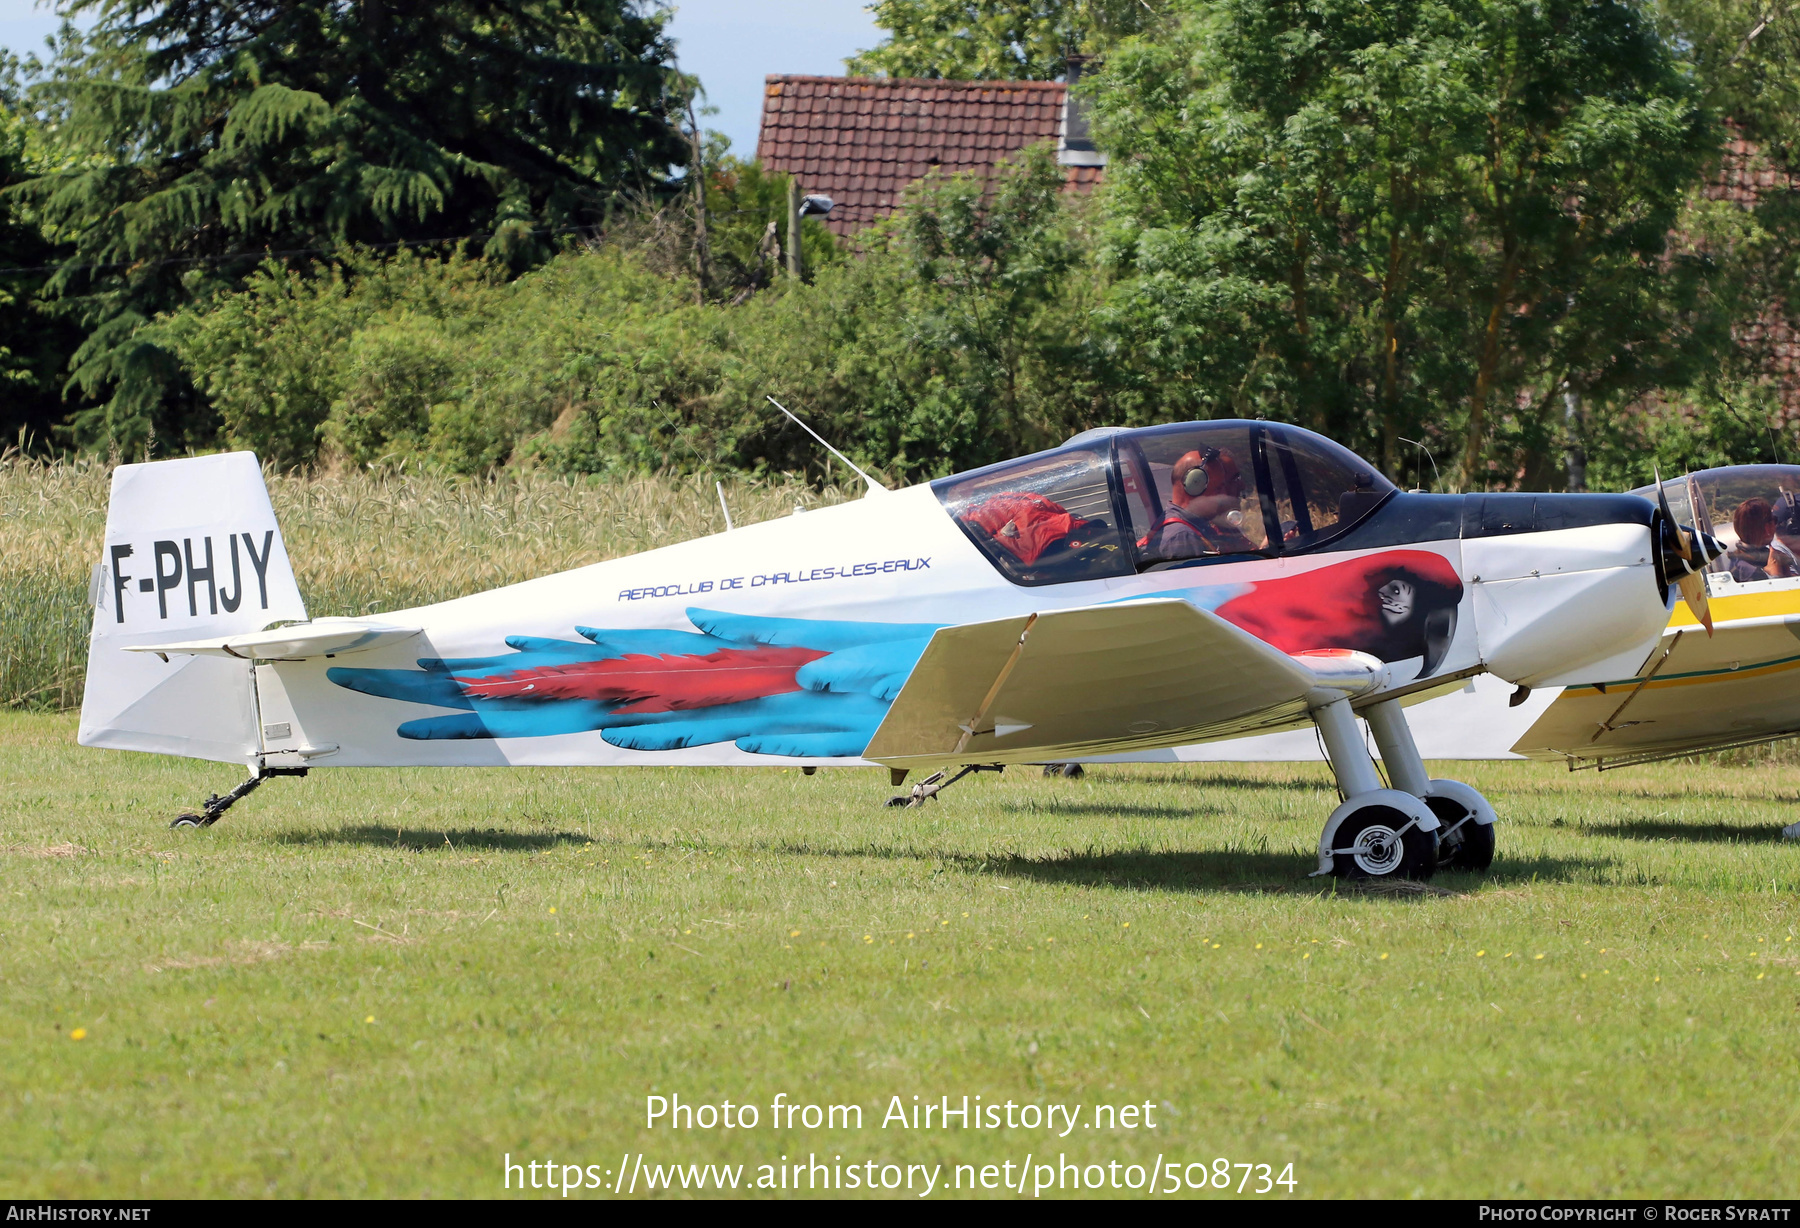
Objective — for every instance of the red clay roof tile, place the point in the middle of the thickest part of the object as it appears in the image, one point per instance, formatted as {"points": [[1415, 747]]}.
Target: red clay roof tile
{"points": [[861, 141]]}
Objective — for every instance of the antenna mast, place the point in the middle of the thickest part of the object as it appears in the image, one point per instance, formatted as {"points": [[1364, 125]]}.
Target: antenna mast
{"points": [[874, 486]]}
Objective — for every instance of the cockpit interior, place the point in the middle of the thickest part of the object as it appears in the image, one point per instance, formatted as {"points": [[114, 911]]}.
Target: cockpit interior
{"points": [[1114, 502]]}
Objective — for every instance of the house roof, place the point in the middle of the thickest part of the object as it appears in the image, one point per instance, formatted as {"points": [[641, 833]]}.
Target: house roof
{"points": [[863, 140]]}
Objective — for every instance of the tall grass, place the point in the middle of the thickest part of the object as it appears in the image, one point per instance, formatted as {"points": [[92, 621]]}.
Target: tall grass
{"points": [[361, 542]]}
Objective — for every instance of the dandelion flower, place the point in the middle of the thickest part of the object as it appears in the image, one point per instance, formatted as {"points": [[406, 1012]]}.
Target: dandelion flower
{"points": [[552, 910], [793, 933], [1259, 946], [1215, 946], [867, 938], [369, 1019], [78, 1034], [909, 935], [1308, 955], [1384, 955], [1539, 955], [1127, 925], [1479, 954]]}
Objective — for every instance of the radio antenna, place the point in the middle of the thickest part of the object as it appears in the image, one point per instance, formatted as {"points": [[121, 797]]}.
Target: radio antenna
{"points": [[874, 486]]}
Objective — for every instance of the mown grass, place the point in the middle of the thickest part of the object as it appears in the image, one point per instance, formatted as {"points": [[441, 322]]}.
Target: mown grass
{"points": [[360, 541], [379, 982]]}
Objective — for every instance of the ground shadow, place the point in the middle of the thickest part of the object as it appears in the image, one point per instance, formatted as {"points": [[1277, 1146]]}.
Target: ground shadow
{"points": [[1107, 810], [1143, 869], [421, 840], [1322, 785], [1662, 829]]}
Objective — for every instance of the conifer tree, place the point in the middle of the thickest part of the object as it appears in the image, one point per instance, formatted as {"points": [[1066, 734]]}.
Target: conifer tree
{"points": [[199, 136]]}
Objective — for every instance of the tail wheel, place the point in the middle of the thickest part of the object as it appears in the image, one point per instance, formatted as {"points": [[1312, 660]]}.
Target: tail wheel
{"points": [[1379, 842], [1463, 844]]}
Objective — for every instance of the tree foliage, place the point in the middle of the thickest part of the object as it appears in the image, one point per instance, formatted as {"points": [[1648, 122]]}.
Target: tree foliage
{"points": [[955, 340], [33, 345], [1002, 40], [199, 135], [1408, 218]]}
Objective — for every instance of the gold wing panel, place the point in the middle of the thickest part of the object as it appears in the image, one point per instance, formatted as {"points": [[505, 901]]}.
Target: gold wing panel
{"points": [[1093, 680], [1742, 682]]}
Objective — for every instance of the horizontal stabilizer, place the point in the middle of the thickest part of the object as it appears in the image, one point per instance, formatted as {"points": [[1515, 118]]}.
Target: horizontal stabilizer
{"points": [[328, 637], [1096, 680]]}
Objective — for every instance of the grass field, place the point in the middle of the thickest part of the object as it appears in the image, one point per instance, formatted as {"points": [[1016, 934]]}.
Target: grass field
{"points": [[379, 982]]}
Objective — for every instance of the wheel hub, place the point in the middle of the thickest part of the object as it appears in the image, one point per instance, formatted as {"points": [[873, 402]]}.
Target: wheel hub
{"points": [[1377, 850]]}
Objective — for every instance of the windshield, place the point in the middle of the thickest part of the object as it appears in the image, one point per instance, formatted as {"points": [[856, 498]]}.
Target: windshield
{"points": [[1753, 511], [1046, 519], [1111, 502]]}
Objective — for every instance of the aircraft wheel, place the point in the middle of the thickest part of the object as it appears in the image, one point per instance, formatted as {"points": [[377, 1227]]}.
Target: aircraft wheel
{"points": [[1463, 844], [1072, 771], [1380, 842], [1465, 841], [188, 820]]}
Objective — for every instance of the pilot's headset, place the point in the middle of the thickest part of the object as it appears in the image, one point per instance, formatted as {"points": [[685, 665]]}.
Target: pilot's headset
{"points": [[1197, 479]]}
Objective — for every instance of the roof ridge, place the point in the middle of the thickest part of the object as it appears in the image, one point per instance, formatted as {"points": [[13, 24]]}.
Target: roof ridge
{"points": [[933, 82]]}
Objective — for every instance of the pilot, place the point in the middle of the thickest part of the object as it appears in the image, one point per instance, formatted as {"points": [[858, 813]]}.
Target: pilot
{"points": [[1787, 513], [1757, 556], [1206, 495]]}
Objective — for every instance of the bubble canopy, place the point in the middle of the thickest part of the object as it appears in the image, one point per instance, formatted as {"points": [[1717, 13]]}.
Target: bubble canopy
{"points": [[1751, 510], [1114, 502]]}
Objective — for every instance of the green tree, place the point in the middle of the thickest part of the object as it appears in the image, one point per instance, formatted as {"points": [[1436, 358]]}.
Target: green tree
{"points": [[1408, 215], [201, 135], [1003, 40], [34, 346]]}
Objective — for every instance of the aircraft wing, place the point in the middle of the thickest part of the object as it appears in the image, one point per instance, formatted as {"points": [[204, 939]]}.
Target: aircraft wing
{"points": [[1740, 685], [1096, 680]]}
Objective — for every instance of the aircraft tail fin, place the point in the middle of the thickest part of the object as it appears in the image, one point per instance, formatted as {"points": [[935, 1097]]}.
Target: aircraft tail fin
{"points": [[192, 550]]}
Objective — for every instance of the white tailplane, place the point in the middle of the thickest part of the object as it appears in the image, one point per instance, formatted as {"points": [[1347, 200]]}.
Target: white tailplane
{"points": [[192, 552]]}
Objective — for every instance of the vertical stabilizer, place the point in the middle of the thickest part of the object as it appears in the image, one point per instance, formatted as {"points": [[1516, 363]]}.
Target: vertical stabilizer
{"points": [[192, 551]]}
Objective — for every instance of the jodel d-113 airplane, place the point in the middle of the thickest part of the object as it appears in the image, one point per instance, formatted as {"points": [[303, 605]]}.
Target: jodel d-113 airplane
{"points": [[1733, 685], [1129, 590]]}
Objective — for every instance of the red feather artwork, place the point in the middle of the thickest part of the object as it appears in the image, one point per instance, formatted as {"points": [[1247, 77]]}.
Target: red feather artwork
{"points": [[642, 683]]}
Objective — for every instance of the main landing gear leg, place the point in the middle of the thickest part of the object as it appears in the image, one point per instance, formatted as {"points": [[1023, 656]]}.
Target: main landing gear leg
{"points": [[216, 805], [935, 784], [1466, 841], [1377, 833]]}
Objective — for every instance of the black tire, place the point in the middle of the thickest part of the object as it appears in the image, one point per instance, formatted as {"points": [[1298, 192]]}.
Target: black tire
{"points": [[1380, 843], [1071, 771], [188, 820], [1470, 846]]}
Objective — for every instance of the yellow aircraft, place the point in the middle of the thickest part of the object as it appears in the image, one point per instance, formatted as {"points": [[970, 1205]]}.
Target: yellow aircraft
{"points": [[1704, 688]]}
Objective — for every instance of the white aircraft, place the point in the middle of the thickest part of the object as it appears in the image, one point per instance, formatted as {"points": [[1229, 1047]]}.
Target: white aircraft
{"points": [[1721, 676], [1128, 591]]}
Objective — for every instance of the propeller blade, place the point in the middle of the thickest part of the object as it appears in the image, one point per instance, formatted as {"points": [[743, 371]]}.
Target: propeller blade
{"points": [[1682, 537], [1693, 591]]}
